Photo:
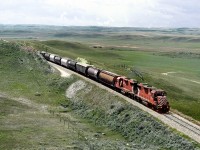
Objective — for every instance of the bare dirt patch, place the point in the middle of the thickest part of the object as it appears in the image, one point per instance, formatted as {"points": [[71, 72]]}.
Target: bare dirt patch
{"points": [[167, 73], [63, 73], [27, 102], [74, 88]]}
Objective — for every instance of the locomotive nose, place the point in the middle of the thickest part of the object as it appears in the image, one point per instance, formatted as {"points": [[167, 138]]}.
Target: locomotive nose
{"points": [[163, 105], [162, 101]]}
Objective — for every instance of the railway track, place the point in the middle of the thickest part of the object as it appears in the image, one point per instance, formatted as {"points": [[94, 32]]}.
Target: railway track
{"points": [[195, 129], [173, 120]]}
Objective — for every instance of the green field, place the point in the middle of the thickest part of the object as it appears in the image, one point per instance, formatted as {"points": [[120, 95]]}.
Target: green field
{"points": [[134, 52]]}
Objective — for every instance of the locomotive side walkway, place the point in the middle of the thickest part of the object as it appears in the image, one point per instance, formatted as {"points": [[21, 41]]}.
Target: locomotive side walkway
{"points": [[173, 120]]}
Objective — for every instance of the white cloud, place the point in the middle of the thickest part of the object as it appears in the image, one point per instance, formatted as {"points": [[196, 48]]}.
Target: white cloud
{"points": [[139, 13]]}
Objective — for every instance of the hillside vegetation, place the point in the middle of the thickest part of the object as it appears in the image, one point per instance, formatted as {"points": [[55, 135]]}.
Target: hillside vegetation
{"points": [[31, 116]]}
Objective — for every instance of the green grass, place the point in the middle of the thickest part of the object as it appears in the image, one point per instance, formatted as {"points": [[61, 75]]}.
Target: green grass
{"points": [[183, 94], [31, 73], [25, 127]]}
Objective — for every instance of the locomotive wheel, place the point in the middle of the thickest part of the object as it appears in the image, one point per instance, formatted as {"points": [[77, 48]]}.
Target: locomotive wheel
{"points": [[165, 110]]}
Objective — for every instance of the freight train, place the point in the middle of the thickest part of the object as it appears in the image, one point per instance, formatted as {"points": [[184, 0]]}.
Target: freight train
{"points": [[149, 96]]}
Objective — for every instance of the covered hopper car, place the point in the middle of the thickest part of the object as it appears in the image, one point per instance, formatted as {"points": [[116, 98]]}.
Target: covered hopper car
{"points": [[57, 60], [52, 56], [47, 56], [72, 64], [93, 72]]}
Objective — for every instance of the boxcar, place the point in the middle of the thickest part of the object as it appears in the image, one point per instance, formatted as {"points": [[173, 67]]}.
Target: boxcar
{"points": [[93, 72], [107, 77], [82, 68], [72, 64]]}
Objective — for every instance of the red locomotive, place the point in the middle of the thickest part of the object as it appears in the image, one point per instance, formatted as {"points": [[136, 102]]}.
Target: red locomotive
{"points": [[142, 92], [152, 97]]}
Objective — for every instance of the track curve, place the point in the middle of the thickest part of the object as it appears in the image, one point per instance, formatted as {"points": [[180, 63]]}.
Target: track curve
{"points": [[171, 119]]}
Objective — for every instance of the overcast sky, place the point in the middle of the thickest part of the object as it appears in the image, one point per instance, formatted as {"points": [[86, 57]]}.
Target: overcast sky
{"points": [[131, 13]]}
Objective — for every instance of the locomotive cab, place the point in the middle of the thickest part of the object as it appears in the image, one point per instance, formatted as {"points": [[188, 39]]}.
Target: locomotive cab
{"points": [[157, 93], [153, 97]]}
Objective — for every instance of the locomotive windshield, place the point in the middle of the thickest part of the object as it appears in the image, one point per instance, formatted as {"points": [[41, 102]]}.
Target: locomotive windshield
{"points": [[160, 93]]}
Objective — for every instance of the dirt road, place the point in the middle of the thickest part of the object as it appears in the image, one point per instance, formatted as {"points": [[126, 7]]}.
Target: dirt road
{"points": [[63, 73], [173, 120], [169, 74]]}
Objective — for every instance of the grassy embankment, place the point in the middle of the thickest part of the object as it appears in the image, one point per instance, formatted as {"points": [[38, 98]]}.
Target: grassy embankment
{"points": [[29, 114], [183, 92], [105, 109]]}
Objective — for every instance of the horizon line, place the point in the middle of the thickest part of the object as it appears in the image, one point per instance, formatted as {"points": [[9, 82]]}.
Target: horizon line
{"points": [[1, 24]]}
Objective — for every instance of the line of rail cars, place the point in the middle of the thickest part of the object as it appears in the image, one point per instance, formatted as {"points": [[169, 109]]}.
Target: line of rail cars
{"points": [[141, 92]]}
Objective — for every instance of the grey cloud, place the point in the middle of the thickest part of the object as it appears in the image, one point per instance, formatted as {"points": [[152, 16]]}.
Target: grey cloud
{"points": [[143, 13]]}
